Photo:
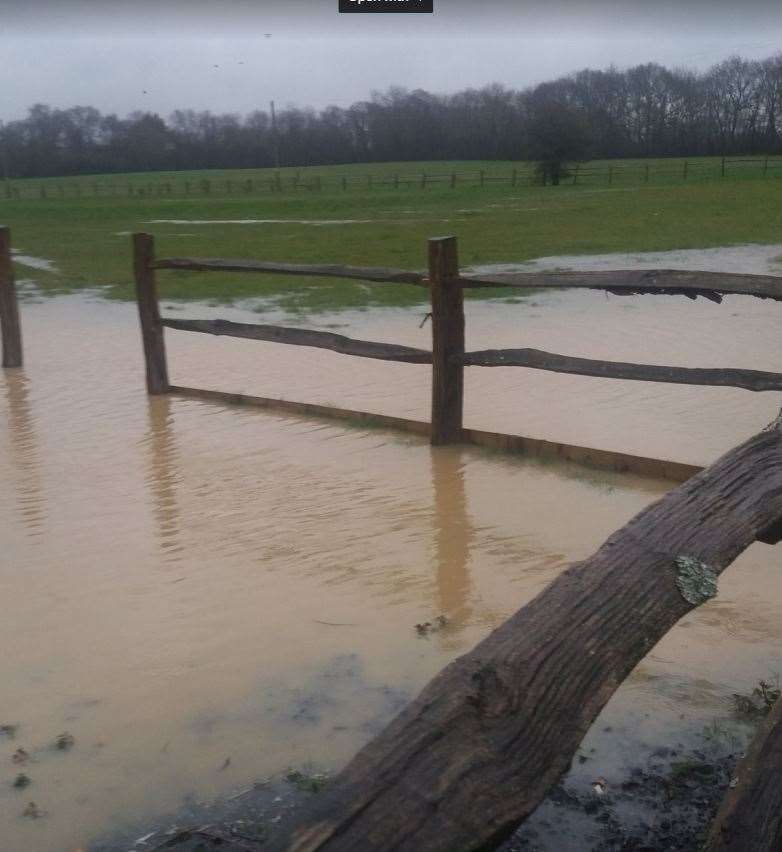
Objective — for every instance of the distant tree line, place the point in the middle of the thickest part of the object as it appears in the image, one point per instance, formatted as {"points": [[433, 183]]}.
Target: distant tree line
{"points": [[647, 111]]}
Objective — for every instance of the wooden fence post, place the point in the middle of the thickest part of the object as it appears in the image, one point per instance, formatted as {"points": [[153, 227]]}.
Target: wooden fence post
{"points": [[684, 171], [723, 167], [447, 341], [10, 330], [149, 313]]}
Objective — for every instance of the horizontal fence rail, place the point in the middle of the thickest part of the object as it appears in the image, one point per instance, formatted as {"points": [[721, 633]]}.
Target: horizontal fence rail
{"points": [[448, 356], [536, 359], [331, 270], [305, 337], [23, 189], [667, 282]]}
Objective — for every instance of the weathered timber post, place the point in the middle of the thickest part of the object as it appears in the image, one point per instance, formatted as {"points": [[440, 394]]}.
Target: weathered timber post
{"points": [[723, 167], [453, 179], [10, 330], [684, 170], [482, 177], [447, 341], [149, 313], [750, 817], [513, 178], [646, 173]]}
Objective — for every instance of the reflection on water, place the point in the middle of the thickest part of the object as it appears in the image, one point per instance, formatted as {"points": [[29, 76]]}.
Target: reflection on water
{"points": [[24, 450], [162, 478], [453, 535], [183, 582]]}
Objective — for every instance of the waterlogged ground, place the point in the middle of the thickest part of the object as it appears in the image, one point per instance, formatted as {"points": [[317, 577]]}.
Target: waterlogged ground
{"points": [[204, 596]]}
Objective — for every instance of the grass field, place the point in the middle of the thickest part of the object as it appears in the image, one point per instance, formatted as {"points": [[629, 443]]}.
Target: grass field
{"points": [[88, 239]]}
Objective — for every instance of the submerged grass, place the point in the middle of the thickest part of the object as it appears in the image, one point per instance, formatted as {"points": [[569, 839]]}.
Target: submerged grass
{"points": [[88, 238]]}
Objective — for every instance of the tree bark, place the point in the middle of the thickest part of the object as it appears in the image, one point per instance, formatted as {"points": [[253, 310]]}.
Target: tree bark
{"points": [[750, 818]]}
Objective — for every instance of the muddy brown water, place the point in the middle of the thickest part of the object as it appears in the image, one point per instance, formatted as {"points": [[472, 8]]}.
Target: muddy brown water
{"points": [[184, 582]]}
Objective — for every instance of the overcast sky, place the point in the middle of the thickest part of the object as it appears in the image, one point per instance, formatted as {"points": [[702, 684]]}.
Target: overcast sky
{"points": [[237, 55]]}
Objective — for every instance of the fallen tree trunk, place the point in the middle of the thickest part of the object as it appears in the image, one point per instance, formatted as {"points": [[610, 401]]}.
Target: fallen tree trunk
{"points": [[750, 818], [480, 747]]}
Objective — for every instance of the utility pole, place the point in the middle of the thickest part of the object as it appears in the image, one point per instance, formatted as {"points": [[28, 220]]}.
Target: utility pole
{"points": [[275, 138]]}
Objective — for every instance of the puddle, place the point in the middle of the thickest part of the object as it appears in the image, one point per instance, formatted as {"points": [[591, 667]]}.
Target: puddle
{"points": [[751, 259], [185, 583], [33, 262]]}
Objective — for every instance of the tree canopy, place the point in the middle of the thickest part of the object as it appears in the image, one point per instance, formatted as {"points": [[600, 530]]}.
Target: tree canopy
{"points": [[648, 110]]}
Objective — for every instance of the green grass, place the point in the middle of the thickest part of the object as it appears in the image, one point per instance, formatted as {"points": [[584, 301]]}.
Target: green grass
{"points": [[494, 223]]}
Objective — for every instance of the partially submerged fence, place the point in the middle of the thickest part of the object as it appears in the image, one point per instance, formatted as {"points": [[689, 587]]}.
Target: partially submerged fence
{"points": [[10, 328], [488, 737], [309, 180], [446, 285]]}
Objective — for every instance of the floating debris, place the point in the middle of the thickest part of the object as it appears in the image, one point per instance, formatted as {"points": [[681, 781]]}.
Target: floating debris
{"points": [[8, 731], [32, 811], [313, 783], [600, 786], [226, 764], [64, 742], [431, 627], [696, 582], [21, 781], [20, 757]]}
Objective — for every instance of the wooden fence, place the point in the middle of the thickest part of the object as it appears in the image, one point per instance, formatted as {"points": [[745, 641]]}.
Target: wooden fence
{"points": [[10, 328], [448, 357], [307, 180], [477, 751]]}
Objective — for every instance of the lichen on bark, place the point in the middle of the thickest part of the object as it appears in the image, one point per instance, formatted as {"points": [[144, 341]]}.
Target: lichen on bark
{"points": [[695, 580]]}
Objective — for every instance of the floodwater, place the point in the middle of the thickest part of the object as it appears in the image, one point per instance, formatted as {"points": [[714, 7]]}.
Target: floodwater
{"points": [[185, 583], [751, 259], [28, 260]]}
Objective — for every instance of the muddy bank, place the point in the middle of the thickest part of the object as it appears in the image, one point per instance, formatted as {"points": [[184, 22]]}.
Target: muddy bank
{"points": [[664, 802]]}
